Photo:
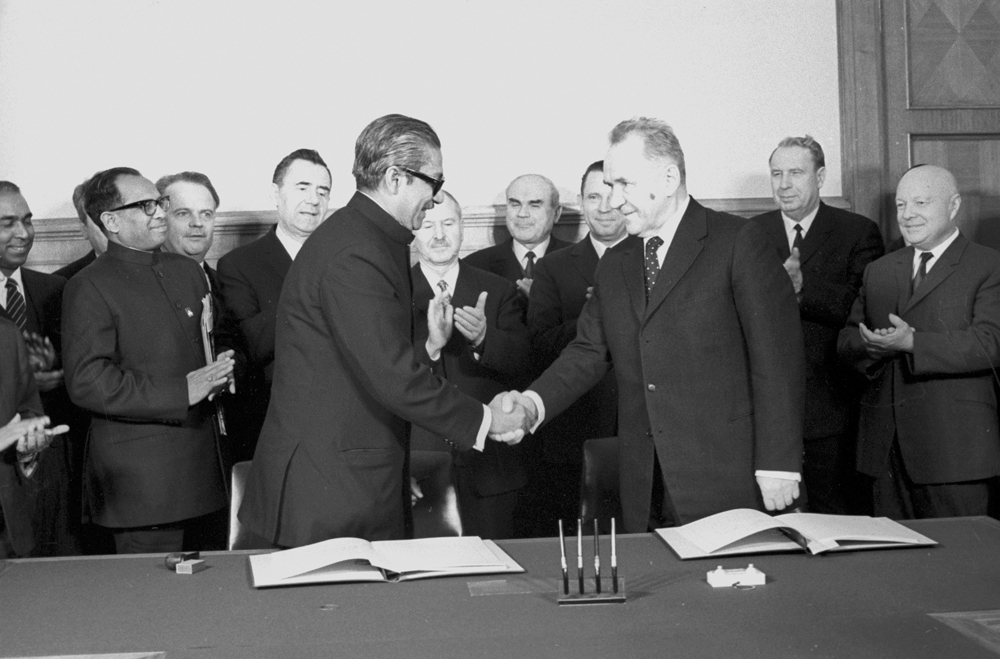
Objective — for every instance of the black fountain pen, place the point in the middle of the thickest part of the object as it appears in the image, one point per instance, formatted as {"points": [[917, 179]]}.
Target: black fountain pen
{"points": [[562, 552], [614, 559], [597, 557]]}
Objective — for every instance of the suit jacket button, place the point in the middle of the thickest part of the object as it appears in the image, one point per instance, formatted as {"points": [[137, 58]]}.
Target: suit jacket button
{"points": [[651, 387]]}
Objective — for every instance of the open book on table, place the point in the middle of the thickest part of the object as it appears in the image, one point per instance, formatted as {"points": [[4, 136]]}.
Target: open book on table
{"points": [[354, 559], [745, 531]]}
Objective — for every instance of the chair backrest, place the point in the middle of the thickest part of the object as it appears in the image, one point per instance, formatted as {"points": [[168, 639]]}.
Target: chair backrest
{"points": [[240, 537], [599, 484], [436, 514]]}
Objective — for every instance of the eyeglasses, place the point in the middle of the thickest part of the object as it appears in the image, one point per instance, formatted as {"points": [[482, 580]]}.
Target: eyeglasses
{"points": [[148, 206], [435, 183]]}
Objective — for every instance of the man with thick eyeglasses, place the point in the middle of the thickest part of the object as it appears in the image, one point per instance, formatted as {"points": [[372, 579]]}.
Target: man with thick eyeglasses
{"points": [[333, 456], [251, 277], [134, 358]]}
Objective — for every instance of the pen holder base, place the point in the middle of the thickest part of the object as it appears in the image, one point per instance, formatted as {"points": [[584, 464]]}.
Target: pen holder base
{"points": [[606, 596]]}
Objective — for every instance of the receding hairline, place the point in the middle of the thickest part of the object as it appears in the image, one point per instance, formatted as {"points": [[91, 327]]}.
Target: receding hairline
{"points": [[553, 190], [939, 177]]}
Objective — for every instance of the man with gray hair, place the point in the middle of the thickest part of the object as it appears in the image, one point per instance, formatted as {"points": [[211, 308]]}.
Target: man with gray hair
{"points": [[825, 251], [333, 455], [707, 350], [532, 210]]}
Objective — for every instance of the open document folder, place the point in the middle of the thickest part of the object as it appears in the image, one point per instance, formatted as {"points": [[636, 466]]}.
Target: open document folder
{"points": [[354, 559], [745, 531]]}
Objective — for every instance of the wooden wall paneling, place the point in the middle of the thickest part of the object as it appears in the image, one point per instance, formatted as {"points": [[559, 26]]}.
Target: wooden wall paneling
{"points": [[862, 110], [59, 241]]}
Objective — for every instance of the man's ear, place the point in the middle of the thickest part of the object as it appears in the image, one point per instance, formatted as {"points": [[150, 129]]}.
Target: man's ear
{"points": [[110, 221], [274, 193]]}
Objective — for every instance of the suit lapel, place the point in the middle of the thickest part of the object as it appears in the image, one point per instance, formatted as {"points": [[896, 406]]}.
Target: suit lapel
{"points": [[904, 272], [683, 250], [585, 259], [941, 270], [775, 227], [820, 231], [276, 256], [634, 274]]}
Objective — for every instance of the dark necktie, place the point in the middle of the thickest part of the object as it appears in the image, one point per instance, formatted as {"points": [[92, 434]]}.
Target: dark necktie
{"points": [[652, 263], [797, 243], [529, 267], [921, 271], [16, 309]]}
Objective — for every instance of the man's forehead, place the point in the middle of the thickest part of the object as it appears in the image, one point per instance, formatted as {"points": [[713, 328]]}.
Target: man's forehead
{"points": [[792, 157], [13, 204], [305, 171], [595, 181], [190, 193], [133, 188], [529, 189]]}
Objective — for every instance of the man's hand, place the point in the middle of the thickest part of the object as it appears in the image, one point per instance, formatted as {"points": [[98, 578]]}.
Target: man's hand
{"points": [[41, 353], [48, 380], [890, 341], [793, 266], [416, 494], [524, 286], [471, 321], [513, 417], [440, 316], [778, 493], [210, 380], [28, 434]]}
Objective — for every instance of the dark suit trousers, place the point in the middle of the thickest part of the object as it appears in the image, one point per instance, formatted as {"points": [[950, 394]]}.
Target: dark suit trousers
{"points": [[896, 496], [490, 517], [829, 476], [205, 533]]}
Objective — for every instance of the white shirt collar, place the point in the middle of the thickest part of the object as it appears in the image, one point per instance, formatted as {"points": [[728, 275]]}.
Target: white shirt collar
{"points": [[805, 222], [600, 247], [521, 252], [288, 241], [450, 277], [935, 253], [16, 276]]}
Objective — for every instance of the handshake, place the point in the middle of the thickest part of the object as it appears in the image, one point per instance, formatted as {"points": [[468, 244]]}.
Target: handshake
{"points": [[513, 416]]}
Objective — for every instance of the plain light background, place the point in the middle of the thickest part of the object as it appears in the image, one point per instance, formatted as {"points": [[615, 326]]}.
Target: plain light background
{"points": [[228, 88]]}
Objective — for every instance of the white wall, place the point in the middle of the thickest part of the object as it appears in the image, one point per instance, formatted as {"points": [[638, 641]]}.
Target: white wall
{"points": [[514, 86]]}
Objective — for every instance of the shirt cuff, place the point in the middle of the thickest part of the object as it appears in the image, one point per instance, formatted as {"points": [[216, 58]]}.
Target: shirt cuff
{"points": [[434, 356], [539, 407], [484, 428], [787, 475]]}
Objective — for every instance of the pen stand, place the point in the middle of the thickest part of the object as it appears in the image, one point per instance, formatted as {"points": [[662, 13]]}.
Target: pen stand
{"points": [[606, 596], [602, 590]]}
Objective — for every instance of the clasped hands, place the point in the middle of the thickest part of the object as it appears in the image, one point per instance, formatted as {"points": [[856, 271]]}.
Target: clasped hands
{"points": [[209, 380], [442, 317], [514, 414], [29, 434], [890, 341]]}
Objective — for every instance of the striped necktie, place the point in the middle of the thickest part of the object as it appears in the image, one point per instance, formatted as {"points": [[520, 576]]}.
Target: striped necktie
{"points": [[16, 309]]}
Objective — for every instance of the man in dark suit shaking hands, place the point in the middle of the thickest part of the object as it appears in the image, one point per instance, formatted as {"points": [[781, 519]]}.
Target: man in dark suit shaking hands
{"points": [[707, 349], [925, 331], [333, 454], [825, 251]]}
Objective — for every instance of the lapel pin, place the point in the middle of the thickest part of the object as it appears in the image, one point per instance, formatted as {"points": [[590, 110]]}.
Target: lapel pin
{"points": [[188, 311]]}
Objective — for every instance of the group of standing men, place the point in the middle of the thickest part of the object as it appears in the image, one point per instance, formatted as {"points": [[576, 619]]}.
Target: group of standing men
{"points": [[718, 350]]}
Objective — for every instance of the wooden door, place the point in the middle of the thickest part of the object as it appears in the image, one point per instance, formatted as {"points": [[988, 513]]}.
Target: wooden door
{"points": [[936, 100]]}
